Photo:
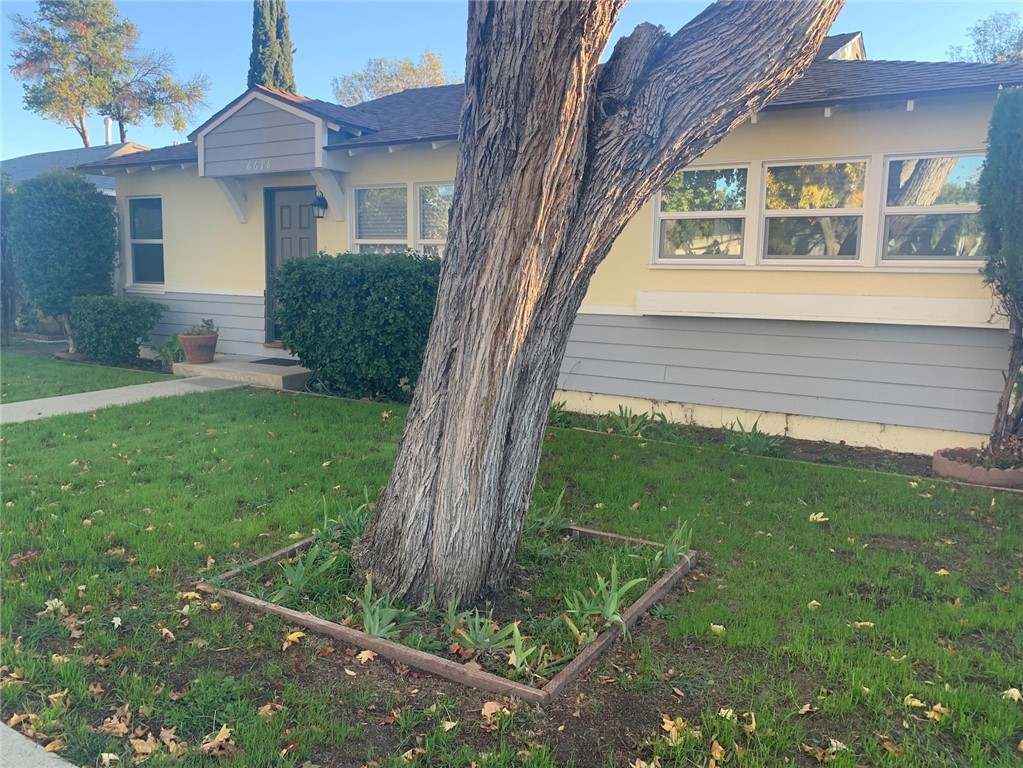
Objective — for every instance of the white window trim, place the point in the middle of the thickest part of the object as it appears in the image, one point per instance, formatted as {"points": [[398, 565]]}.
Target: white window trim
{"points": [[743, 213], [412, 239], [130, 282], [929, 265], [872, 230], [765, 213]]}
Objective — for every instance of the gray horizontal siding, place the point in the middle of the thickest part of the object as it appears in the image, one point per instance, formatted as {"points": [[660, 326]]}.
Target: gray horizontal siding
{"points": [[263, 133], [241, 320], [938, 378]]}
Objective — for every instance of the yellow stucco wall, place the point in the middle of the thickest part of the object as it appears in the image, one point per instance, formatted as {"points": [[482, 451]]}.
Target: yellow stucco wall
{"points": [[934, 125], [207, 249]]}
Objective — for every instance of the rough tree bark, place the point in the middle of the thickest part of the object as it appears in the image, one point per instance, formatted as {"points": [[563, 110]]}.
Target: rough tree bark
{"points": [[556, 155]]}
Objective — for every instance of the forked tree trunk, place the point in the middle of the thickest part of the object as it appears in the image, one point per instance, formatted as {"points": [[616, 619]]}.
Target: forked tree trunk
{"points": [[555, 157], [1009, 412]]}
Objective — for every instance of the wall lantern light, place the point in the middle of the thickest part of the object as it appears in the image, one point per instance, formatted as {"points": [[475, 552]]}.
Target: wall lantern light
{"points": [[319, 206]]}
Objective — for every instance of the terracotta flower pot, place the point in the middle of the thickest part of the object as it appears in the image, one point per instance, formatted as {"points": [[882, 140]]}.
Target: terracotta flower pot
{"points": [[962, 464], [199, 349]]}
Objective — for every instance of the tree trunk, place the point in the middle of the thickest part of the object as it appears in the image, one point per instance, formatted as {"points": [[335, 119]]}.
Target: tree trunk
{"points": [[65, 323], [555, 157], [82, 130], [1009, 411], [122, 130]]}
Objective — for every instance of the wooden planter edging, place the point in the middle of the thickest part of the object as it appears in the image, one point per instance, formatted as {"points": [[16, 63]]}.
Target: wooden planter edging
{"points": [[450, 670]]}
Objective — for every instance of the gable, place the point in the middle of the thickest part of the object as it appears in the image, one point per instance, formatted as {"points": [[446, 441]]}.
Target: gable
{"points": [[260, 137]]}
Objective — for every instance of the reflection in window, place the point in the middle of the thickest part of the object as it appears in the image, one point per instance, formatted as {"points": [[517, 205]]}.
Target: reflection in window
{"points": [[381, 219], [697, 214], [145, 215], [813, 211], [931, 210], [434, 204]]}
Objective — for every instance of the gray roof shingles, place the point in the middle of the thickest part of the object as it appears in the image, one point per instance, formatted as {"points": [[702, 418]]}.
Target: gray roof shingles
{"points": [[432, 114], [30, 166]]}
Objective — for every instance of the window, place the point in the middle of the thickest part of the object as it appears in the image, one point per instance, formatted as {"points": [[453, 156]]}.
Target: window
{"points": [[381, 219], [930, 209], [701, 215], [146, 235], [384, 222], [813, 211]]}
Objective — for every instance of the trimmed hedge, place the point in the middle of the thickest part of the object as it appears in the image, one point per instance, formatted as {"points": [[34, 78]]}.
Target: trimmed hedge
{"points": [[360, 319], [110, 328]]}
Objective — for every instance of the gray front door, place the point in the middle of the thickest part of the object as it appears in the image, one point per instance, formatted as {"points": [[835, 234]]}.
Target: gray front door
{"points": [[290, 234]]}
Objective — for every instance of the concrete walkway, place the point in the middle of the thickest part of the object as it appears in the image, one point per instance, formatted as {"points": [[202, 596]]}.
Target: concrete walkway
{"points": [[85, 402], [17, 751]]}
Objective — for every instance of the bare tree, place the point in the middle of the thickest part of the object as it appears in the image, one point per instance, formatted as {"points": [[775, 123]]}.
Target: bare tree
{"points": [[556, 156]]}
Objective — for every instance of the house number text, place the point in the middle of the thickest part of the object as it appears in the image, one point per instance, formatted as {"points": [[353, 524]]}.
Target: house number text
{"points": [[257, 165]]}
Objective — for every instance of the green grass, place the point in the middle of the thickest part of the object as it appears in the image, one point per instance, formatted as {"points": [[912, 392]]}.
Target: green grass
{"points": [[29, 376], [126, 509]]}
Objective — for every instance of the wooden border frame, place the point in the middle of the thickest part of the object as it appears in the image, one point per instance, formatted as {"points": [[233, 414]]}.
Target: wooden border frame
{"points": [[450, 670]]}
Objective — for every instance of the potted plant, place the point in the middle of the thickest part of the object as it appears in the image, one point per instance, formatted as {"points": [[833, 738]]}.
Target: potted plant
{"points": [[1000, 193], [200, 342]]}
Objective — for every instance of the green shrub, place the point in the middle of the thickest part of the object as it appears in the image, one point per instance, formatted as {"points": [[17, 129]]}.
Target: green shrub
{"points": [[64, 237], [110, 328], [361, 319]]}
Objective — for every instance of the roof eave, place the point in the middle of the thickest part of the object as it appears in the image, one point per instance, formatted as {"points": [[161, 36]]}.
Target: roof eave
{"points": [[894, 96]]}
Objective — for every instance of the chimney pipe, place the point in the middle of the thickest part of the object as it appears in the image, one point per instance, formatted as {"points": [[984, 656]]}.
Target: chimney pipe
{"points": [[109, 126]]}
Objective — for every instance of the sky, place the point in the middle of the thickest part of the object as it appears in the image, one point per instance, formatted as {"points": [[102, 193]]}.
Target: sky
{"points": [[337, 37]]}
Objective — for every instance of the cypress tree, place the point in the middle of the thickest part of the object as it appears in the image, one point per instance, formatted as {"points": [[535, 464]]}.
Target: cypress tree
{"points": [[270, 62]]}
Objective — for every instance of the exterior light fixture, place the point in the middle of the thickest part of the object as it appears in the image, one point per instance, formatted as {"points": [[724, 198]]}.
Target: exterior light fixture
{"points": [[319, 206]]}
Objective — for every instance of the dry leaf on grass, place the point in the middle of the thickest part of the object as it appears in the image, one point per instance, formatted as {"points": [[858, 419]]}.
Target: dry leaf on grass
{"points": [[219, 745]]}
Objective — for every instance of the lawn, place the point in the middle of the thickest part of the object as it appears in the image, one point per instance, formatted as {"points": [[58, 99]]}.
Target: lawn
{"points": [[27, 375], [836, 614]]}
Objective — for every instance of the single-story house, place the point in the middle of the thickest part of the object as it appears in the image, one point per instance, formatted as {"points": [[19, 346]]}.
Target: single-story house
{"points": [[818, 269], [30, 166]]}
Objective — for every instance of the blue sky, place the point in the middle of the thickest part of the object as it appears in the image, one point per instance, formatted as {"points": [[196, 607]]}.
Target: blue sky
{"points": [[334, 38]]}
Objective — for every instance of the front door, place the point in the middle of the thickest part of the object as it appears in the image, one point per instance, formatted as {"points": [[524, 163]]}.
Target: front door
{"points": [[290, 234]]}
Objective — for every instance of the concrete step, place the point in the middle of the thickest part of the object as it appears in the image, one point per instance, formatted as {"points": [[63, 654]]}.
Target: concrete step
{"points": [[247, 370]]}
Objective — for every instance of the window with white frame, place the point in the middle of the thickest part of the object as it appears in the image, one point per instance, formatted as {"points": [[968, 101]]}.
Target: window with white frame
{"points": [[145, 216], [381, 219], [434, 201], [701, 214], [813, 211], [385, 223], [930, 209]]}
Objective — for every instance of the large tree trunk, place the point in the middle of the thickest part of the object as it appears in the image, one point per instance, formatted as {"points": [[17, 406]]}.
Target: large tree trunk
{"points": [[555, 157], [1009, 412]]}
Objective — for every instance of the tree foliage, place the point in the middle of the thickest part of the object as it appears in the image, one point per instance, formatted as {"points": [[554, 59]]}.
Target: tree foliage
{"points": [[64, 236], [270, 62], [1000, 193], [77, 57], [8, 291], [997, 38], [382, 77]]}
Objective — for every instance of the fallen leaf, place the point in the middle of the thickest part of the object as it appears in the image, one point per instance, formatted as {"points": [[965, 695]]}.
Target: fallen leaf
{"points": [[807, 709], [413, 754], [813, 605], [96, 689], [863, 624], [348, 672], [1013, 694], [219, 745], [942, 572], [447, 725], [167, 635], [937, 712], [365, 656], [146, 746], [717, 629], [913, 701], [54, 746], [188, 596], [818, 517]]}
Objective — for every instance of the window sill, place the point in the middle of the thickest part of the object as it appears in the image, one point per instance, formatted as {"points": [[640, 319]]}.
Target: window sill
{"points": [[930, 267], [149, 289]]}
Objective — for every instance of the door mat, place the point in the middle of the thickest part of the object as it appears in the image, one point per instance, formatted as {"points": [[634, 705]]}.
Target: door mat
{"points": [[276, 361]]}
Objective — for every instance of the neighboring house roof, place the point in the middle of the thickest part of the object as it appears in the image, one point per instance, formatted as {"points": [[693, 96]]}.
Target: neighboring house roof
{"points": [[334, 113], [30, 166], [837, 75]]}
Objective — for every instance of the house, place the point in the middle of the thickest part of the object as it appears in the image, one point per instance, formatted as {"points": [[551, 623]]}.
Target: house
{"points": [[818, 269], [30, 166]]}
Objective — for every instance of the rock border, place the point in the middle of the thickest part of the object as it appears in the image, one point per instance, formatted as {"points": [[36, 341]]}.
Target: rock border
{"points": [[959, 464], [450, 670]]}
